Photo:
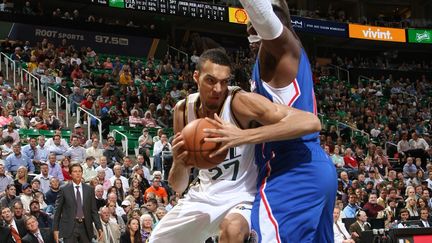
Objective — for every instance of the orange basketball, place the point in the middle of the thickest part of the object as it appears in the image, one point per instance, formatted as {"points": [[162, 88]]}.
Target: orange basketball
{"points": [[198, 149]]}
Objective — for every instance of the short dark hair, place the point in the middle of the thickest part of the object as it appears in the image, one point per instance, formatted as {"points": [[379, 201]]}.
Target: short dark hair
{"points": [[216, 55], [75, 165]]}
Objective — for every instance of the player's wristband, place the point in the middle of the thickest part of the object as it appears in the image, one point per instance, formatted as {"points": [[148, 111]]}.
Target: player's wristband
{"points": [[264, 20]]}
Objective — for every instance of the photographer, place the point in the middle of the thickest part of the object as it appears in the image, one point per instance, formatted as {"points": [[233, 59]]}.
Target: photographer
{"points": [[159, 147]]}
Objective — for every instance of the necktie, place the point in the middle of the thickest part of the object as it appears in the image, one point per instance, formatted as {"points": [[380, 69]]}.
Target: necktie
{"points": [[108, 234], [79, 211], [15, 235], [340, 231], [39, 237]]}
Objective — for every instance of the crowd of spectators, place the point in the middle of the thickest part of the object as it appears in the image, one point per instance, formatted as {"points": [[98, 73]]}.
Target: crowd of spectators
{"points": [[142, 93]]}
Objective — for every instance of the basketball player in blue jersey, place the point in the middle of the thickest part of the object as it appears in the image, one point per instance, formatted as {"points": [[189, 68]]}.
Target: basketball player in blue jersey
{"points": [[220, 204], [296, 186]]}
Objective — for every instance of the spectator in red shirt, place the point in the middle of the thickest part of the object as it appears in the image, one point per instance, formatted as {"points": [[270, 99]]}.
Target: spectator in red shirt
{"points": [[76, 73], [350, 162], [372, 207]]}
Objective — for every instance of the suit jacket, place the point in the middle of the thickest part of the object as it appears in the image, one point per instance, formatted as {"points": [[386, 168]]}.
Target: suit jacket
{"points": [[115, 232], [355, 227], [6, 235], [429, 222], [64, 217], [47, 236]]}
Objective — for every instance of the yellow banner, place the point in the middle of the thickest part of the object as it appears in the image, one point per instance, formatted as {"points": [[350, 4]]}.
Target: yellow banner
{"points": [[237, 15], [376, 33]]}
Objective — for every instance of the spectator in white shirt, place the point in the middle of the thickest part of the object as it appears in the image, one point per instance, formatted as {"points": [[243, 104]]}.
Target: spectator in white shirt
{"points": [[341, 235]]}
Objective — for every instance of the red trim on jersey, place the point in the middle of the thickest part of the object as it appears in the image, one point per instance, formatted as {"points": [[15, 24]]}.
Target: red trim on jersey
{"points": [[297, 92], [266, 204]]}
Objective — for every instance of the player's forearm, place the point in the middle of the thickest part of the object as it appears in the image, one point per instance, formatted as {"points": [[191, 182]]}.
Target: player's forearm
{"points": [[264, 20], [290, 127], [179, 177]]}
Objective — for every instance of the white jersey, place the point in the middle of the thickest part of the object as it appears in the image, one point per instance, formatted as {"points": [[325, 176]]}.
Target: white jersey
{"points": [[237, 174]]}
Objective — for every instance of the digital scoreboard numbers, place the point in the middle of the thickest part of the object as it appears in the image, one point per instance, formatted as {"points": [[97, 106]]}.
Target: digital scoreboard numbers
{"points": [[173, 7]]}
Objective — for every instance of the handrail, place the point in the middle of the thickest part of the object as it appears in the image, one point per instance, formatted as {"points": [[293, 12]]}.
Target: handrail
{"points": [[371, 80], [339, 69], [406, 93], [390, 143], [7, 59], [79, 109], [29, 76], [125, 147], [178, 52], [353, 129], [57, 103]]}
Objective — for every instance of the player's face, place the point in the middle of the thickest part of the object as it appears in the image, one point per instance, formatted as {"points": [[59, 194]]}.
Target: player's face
{"points": [[212, 81]]}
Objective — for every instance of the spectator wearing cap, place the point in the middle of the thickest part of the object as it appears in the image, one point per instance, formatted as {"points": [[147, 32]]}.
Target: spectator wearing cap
{"points": [[43, 219], [10, 131], [76, 152], [26, 196], [158, 190], [79, 133], [17, 159], [44, 178]]}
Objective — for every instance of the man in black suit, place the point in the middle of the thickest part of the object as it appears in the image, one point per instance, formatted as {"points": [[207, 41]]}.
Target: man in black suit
{"points": [[35, 235], [359, 226], [14, 228], [424, 217], [76, 210]]}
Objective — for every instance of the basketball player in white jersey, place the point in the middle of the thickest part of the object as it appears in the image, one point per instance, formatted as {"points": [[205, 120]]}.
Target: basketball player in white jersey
{"points": [[220, 204]]}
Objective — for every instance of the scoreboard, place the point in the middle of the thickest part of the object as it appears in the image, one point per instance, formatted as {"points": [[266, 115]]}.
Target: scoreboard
{"points": [[185, 8]]}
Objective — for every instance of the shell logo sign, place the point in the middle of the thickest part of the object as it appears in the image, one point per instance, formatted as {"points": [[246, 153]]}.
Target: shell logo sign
{"points": [[237, 15]]}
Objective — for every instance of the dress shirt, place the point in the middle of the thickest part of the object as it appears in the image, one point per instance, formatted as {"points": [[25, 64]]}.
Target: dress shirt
{"points": [[350, 210], [44, 182], [420, 143], [55, 171], [28, 151], [4, 181], [89, 172], [403, 146], [95, 152], [41, 153], [50, 142], [77, 154], [339, 232], [13, 162], [59, 151]]}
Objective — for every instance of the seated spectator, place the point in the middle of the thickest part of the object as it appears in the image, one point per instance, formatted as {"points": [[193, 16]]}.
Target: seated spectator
{"points": [[36, 232], [11, 132], [411, 207], [404, 216], [341, 235], [75, 152], [145, 142], [359, 226], [64, 164], [18, 159], [148, 120], [158, 190], [10, 197], [134, 119], [89, 169], [111, 230], [372, 207], [43, 219], [112, 153], [132, 231], [57, 147], [409, 169], [21, 120], [425, 219], [7, 147]]}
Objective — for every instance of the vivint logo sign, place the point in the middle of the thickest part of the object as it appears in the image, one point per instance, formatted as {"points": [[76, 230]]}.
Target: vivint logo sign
{"points": [[376, 33]]}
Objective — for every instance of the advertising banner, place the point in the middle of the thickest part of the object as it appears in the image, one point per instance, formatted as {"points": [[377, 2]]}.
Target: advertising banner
{"points": [[376, 33], [419, 36], [321, 27], [237, 16], [100, 42]]}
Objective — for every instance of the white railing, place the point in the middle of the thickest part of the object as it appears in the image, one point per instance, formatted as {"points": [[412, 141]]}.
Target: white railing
{"points": [[79, 109], [371, 81], [340, 70], [178, 52], [6, 61], [124, 142], [353, 130], [58, 98], [30, 77]]}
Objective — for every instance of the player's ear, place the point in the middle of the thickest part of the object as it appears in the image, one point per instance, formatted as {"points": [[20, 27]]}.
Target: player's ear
{"points": [[196, 76]]}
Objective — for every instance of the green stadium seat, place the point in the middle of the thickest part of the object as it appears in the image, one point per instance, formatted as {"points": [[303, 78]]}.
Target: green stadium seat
{"points": [[47, 133], [28, 133]]}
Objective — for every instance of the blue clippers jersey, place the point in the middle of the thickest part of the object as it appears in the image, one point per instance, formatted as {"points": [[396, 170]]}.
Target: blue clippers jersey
{"points": [[299, 94]]}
